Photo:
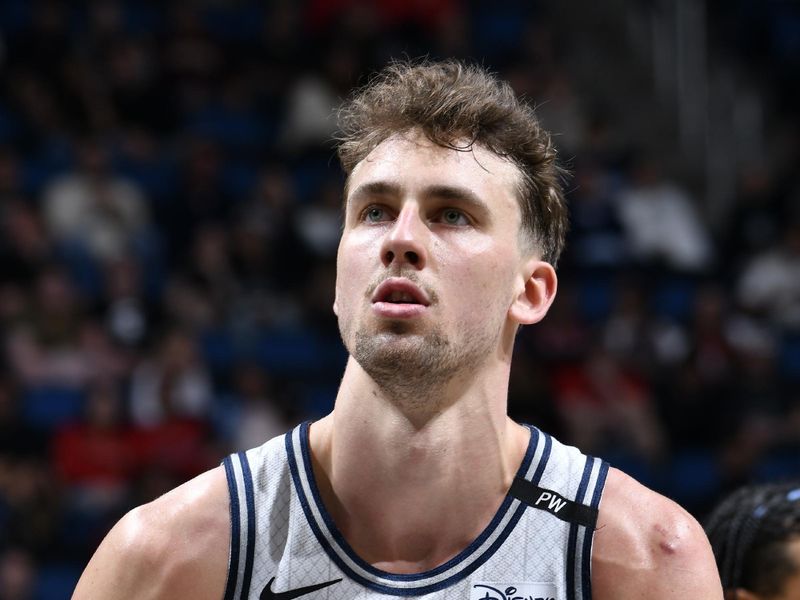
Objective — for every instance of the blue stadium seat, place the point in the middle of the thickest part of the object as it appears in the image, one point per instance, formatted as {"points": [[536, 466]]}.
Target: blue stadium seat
{"points": [[56, 581], [674, 298], [694, 476], [790, 356], [47, 407]]}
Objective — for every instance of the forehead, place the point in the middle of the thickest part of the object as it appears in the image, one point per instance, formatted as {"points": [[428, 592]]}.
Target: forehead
{"points": [[412, 162]]}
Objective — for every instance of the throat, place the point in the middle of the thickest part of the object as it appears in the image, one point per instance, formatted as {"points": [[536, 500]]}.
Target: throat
{"points": [[411, 518], [408, 497], [412, 540]]}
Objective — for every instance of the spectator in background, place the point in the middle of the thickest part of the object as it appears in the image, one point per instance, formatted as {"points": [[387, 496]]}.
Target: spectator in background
{"points": [[203, 200], [140, 95], [756, 219], [562, 113], [564, 335], [94, 209], [758, 407], [10, 175], [696, 388], [769, 285], [17, 438], [46, 348], [17, 574], [254, 411], [31, 505], [266, 249], [191, 58], [96, 457], [641, 339], [605, 406], [596, 236], [171, 399], [211, 269], [755, 535], [660, 222], [25, 248], [629, 330], [124, 310], [174, 383], [57, 344], [711, 351], [319, 223], [313, 100]]}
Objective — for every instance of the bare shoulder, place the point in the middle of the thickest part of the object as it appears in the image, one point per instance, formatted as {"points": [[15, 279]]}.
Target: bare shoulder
{"points": [[646, 546], [174, 547]]}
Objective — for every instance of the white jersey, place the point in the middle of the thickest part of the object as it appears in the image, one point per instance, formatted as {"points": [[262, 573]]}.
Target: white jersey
{"points": [[285, 545]]}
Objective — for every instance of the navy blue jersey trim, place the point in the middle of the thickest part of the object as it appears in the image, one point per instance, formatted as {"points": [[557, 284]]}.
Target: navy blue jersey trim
{"points": [[251, 524], [301, 495], [586, 558], [463, 555], [548, 445], [472, 567], [294, 467], [573, 532], [233, 563]]}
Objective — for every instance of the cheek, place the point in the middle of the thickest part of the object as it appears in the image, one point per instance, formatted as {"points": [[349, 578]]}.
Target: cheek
{"points": [[351, 271], [491, 263], [344, 291], [484, 278]]}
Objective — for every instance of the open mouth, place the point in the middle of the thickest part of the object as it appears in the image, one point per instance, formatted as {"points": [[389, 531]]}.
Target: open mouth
{"points": [[398, 297], [400, 291]]}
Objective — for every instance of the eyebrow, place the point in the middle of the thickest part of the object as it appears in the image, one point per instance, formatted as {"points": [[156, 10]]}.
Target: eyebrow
{"points": [[444, 192], [374, 188]]}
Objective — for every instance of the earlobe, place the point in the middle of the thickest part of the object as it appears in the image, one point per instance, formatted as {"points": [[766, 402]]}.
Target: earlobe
{"points": [[536, 294]]}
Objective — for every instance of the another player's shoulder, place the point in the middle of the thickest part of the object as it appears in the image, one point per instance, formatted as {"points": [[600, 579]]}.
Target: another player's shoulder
{"points": [[174, 547], [645, 545]]}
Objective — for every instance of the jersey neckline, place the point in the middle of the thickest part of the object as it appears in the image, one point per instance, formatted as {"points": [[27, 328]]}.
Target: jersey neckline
{"points": [[455, 569]]}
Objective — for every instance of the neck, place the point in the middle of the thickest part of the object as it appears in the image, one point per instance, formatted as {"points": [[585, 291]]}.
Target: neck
{"points": [[435, 476]]}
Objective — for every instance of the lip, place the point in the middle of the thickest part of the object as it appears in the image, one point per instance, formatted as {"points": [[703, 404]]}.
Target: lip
{"points": [[393, 310], [400, 284], [399, 310]]}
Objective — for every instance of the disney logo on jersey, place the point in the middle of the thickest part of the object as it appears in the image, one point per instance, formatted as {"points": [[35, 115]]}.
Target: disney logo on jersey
{"points": [[521, 591]]}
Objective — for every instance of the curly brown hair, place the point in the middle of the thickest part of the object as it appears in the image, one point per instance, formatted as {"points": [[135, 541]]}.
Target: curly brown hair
{"points": [[457, 105]]}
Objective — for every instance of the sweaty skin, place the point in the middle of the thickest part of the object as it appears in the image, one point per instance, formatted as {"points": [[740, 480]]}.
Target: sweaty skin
{"points": [[424, 460]]}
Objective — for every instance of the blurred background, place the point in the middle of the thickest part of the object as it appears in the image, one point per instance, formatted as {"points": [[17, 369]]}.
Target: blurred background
{"points": [[169, 215]]}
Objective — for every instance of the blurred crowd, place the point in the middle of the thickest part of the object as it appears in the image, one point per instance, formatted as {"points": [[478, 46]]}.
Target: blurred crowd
{"points": [[169, 216]]}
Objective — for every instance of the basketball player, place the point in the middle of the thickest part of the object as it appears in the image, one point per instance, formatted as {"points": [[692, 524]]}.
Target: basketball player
{"points": [[755, 534], [418, 484]]}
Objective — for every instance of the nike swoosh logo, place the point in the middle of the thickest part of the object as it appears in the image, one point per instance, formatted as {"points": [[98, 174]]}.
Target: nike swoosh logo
{"points": [[268, 594]]}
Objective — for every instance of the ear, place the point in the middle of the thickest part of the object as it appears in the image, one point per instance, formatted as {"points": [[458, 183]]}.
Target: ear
{"points": [[535, 294]]}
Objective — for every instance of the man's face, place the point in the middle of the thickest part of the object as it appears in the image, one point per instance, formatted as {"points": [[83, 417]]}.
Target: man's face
{"points": [[429, 261]]}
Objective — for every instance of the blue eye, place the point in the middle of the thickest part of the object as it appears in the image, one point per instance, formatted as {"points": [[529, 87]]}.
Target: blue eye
{"points": [[374, 214], [451, 216]]}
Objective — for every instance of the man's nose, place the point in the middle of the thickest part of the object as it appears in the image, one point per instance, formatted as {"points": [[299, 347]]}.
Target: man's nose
{"points": [[405, 243]]}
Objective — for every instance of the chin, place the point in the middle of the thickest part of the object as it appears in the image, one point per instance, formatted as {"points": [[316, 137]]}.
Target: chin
{"points": [[401, 349]]}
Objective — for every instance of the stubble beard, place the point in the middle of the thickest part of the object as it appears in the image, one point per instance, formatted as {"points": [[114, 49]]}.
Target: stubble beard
{"points": [[413, 369]]}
